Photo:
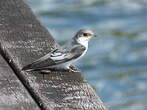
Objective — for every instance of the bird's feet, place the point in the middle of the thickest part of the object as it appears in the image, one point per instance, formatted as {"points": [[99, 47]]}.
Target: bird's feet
{"points": [[43, 72], [73, 68], [46, 71]]}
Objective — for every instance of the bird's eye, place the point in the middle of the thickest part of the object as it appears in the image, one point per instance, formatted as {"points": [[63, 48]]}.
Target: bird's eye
{"points": [[85, 34]]}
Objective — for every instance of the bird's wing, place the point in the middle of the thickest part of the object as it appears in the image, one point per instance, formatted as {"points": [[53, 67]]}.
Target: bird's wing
{"points": [[56, 57], [74, 53], [40, 63]]}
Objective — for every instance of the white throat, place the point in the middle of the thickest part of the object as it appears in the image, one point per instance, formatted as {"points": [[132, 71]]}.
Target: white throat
{"points": [[83, 41]]}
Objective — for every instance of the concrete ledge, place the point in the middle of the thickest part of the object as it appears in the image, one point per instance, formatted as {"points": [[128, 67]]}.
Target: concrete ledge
{"points": [[22, 40]]}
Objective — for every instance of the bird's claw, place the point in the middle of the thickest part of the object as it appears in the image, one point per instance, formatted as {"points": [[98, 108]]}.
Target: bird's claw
{"points": [[72, 68]]}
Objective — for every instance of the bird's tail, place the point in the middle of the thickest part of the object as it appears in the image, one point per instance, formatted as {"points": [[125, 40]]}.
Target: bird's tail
{"points": [[28, 68]]}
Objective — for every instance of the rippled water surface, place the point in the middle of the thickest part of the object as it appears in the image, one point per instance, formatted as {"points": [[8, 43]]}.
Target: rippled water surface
{"points": [[116, 63]]}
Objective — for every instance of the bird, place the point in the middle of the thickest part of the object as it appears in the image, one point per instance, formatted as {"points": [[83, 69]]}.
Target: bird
{"points": [[63, 58]]}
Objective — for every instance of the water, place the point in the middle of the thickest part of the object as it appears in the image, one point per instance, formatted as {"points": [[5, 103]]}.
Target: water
{"points": [[116, 63]]}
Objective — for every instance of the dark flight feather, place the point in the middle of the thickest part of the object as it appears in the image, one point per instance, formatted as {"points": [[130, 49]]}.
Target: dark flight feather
{"points": [[56, 57]]}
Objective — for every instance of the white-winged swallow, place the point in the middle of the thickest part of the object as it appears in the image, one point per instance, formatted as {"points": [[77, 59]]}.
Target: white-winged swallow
{"points": [[61, 59]]}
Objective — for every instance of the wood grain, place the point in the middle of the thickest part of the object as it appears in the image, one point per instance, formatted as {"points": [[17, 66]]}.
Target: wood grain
{"points": [[13, 95], [22, 40]]}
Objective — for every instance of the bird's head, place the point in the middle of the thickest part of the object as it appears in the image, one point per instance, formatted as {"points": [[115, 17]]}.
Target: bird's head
{"points": [[83, 36]]}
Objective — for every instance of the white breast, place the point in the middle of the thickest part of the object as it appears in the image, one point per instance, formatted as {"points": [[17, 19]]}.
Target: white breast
{"points": [[83, 41]]}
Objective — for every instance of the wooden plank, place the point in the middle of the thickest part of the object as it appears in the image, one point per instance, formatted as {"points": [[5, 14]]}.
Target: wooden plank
{"points": [[23, 39], [13, 95]]}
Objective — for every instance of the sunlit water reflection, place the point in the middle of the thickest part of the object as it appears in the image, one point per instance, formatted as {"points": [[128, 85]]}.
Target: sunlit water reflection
{"points": [[116, 63]]}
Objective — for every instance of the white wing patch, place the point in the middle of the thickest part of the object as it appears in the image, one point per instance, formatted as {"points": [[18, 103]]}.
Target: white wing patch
{"points": [[58, 55]]}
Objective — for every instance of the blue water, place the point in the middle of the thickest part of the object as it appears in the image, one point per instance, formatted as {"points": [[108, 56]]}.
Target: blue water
{"points": [[116, 62]]}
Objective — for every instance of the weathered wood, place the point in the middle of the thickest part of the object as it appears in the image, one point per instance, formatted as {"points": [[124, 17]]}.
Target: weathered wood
{"points": [[13, 95], [23, 39]]}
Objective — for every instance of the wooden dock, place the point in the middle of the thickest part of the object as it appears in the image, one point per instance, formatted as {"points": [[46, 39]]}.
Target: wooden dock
{"points": [[22, 40]]}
